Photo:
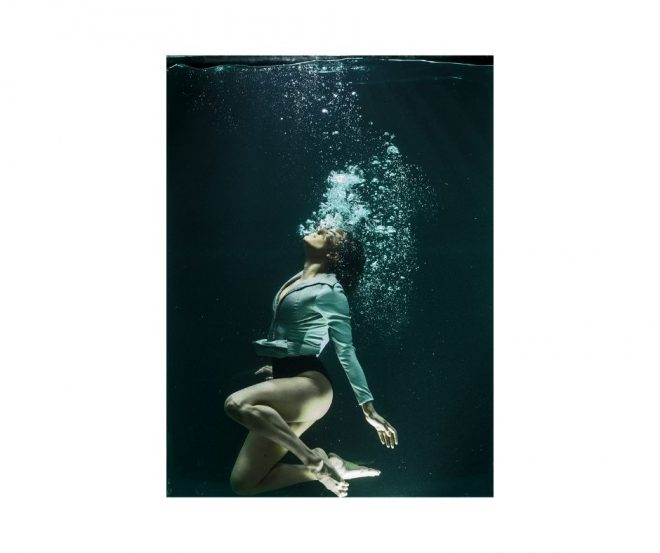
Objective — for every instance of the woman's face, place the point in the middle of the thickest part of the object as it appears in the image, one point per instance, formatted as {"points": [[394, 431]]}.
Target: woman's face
{"points": [[324, 240]]}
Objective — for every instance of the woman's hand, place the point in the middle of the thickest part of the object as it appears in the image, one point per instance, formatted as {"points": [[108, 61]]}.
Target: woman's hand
{"points": [[267, 370], [386, 432]]}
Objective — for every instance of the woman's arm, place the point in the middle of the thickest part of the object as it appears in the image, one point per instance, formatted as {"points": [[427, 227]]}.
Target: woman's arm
{"points": [[333, 304]]}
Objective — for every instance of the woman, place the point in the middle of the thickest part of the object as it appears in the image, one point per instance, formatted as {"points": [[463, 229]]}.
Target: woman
{"points": [[308, 311]]}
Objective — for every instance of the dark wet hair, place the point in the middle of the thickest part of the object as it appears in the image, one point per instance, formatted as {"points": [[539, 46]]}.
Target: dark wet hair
{"points": [[349, 263]]}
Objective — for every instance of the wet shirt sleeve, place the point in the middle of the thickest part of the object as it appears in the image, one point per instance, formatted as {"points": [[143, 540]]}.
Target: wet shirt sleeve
{"points": [[333, 305]]}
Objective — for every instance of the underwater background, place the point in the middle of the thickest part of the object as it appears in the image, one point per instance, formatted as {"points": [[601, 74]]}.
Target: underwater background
{"points": [[261, 150]]}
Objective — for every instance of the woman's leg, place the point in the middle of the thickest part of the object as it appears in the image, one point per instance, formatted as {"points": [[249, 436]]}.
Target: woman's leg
{"points": [[266, 409], [257, 469]]}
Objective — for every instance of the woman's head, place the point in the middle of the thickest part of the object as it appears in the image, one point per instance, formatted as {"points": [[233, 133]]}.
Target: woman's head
{"points": [[341, 251]]}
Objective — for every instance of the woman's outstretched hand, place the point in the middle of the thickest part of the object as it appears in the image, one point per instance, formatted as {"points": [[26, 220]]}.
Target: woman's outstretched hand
{"points": [[386, 432], [267, 370]]}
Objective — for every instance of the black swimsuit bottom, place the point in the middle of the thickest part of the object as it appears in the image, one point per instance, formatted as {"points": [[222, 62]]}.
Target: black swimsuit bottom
{"points": [[292, 366]]}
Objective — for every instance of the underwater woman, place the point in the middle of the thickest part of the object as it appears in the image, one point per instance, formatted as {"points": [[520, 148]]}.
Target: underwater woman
{"points": [[309, 311]]}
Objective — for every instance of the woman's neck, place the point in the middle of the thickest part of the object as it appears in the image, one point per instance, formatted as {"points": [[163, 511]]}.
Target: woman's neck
{"points": [[313, 268]]}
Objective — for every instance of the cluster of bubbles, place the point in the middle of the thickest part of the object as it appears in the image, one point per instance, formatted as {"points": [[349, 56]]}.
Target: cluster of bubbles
{"points": [[319, 108], [377, 200], [342, 206]]}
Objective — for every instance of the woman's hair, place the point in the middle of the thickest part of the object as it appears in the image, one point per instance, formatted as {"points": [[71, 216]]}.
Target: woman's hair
{"points": [[348, 265]]}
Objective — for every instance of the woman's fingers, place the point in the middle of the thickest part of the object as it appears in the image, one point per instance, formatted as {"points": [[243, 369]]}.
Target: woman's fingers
{"points": [[390, 436], [385, 438], [386, 432], [395, 436], [266, 369]]}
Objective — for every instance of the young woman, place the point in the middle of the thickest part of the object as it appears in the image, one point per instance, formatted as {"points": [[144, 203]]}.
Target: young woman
{"points": [[309, 311]]}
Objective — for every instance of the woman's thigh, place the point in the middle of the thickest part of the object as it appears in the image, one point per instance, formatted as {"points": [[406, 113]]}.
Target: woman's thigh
{"points": [[302, 398]]}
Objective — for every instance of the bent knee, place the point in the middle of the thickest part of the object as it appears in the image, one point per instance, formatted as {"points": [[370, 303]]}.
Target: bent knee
{"points": [[233, 406]]}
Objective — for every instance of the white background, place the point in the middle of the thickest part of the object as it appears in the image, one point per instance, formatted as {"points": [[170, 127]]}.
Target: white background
{"points": [[82, 236]]}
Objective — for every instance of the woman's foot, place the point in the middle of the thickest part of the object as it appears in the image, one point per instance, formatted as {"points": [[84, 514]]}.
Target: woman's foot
{"points": [[348, 470], [327, 474], [340, 489]]}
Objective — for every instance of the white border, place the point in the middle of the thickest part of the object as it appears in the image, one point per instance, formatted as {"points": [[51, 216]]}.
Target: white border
{"points": [[83, 285]]}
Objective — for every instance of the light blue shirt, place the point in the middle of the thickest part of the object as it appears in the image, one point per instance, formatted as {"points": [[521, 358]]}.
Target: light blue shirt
{"points": [[314, 312]]}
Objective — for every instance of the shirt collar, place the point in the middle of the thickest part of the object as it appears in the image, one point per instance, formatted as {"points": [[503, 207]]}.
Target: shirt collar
{"points": [[320, 278]]}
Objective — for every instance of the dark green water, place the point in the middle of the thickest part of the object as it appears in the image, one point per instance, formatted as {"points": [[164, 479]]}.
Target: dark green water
{"points": [[250, 150]]}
